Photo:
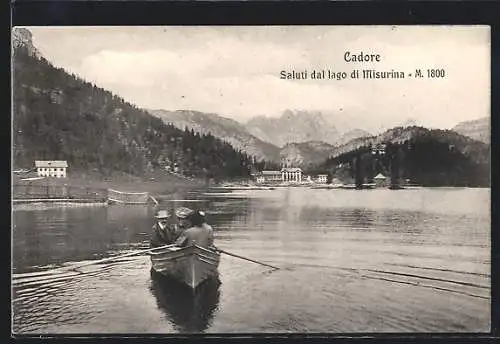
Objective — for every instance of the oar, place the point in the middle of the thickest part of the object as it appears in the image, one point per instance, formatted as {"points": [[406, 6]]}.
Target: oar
{"points": [[245, 258], [46, 274], [116, 257]]}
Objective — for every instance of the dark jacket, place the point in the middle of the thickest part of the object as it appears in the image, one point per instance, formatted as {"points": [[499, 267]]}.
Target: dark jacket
{"points": [[161, 237]]}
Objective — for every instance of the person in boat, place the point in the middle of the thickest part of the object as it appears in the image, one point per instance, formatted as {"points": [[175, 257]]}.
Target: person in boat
{"points": [[207, 227], [200, 233], [162, 233], [183, 222]]}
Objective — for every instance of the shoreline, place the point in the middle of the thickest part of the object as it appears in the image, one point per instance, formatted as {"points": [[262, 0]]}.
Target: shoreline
{"points": [[57, 200], [94, 188]]}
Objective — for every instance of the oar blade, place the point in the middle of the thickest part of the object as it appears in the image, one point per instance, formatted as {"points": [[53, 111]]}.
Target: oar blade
{"points": [[248, 259]]}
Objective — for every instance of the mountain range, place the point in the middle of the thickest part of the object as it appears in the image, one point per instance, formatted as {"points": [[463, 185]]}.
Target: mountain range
{"points": [[400, 135], [293, 127], [223, 128], [427, 157], [478, 129], [299, 138]]}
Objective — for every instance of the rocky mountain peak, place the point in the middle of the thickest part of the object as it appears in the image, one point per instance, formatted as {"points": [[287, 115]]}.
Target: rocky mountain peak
{"points": [[22, 37], [293, 126]]}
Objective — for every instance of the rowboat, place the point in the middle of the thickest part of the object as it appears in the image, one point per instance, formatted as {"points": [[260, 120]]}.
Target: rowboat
{"points": [[189, 265]]}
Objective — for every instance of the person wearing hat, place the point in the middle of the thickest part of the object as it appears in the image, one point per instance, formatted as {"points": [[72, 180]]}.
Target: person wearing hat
{"points": [[200, 233], [162, 233], [182, 214], [178, 223]]}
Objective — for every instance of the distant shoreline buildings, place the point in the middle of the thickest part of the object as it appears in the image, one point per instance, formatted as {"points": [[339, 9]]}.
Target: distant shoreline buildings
{"points": [[51, 168], [289, 175], [285, 175]]}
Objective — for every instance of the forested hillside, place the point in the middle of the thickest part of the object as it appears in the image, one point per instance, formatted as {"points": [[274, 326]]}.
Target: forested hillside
{"points": [[427, 157], [58, 116], [223, 128]]}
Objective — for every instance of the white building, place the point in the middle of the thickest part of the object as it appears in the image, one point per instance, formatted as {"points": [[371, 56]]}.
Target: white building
{"points": [[51, 168], [271, 176], [288, 175], [291, 174], [322, 178], [260, 179]]}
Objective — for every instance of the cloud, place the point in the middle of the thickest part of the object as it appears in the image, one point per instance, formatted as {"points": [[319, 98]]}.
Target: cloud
{"points": [[145, 68], [267, 94], [234, 71]]}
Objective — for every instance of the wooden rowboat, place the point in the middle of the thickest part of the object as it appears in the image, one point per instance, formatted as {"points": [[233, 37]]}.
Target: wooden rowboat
{"points": [[190, 265]]}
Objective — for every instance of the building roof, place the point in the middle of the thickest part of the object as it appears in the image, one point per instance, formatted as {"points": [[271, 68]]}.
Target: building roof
{"points": [[51, 163], [379, 176], [270, 172], [322, 175], [291, 169]]}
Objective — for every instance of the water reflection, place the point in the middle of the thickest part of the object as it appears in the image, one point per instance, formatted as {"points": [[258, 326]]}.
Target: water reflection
{"points": [[119, 213], [190, 312], [57, 235]]}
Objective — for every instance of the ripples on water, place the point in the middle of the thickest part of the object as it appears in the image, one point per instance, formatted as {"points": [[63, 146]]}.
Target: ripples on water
{"points": [[353, 261]]}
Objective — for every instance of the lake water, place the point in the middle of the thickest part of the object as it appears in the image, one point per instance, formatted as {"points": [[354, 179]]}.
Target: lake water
{"points": [[414, 260]]}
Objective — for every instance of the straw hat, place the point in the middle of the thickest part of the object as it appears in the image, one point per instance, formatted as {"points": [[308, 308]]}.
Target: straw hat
{"points": [[162, 214], [183, 212]]}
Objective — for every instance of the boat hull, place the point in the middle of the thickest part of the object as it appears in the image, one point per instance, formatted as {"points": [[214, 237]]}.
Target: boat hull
{"points": [[189, 265]]}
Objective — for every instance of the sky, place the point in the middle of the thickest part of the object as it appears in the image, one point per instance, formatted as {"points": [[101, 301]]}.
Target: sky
{"points": [[235, 71]]}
